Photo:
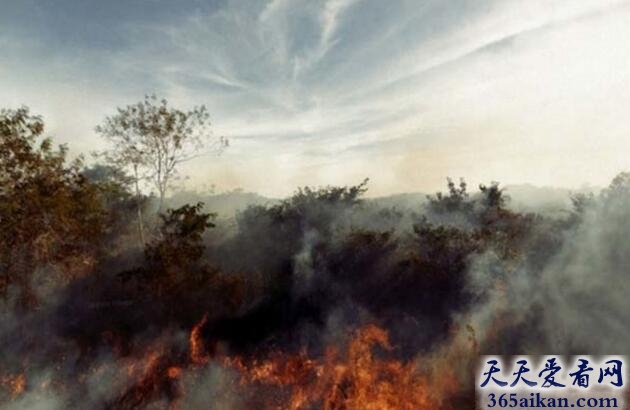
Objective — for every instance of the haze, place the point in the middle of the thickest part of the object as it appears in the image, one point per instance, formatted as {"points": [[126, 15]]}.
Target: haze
{"points": [[330, 92]]}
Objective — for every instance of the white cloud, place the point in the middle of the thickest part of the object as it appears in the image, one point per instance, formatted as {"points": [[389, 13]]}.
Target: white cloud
{"points": [[328, 91]]}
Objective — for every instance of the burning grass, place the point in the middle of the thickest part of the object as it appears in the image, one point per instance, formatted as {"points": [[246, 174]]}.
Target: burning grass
{"points": [[362, 376]]}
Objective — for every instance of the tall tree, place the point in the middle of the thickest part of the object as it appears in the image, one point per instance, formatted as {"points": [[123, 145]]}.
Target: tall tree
{"points": [[152, 139], [50, 214]]}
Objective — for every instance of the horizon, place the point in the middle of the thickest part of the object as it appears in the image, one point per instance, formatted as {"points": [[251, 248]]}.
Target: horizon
{"points": [[472, 189], [314, 204]]}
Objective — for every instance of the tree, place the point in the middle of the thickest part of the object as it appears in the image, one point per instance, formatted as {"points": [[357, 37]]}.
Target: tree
{"points": [[152, 140], [177, 275], [457, 199], [50, 214], [492, 196], [619, 187], [117, 198], [177, 253]]}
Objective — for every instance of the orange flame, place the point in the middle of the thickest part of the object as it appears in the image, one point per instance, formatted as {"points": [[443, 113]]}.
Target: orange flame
{"points": [[363, 374], [198, 353], [15, 384], [174, 372], [357, 381]]}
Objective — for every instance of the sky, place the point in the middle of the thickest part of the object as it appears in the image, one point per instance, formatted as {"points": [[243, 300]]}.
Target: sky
{"points": [[329, 92]]}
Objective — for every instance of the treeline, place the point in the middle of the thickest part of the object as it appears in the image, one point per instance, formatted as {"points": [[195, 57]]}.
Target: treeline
{"points": [[285, 265], [284, 274]]}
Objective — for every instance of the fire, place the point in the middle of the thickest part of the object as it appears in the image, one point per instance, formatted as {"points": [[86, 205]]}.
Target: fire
{"points": [[365, 382], [15, 384], [157, 376], [174, 372], [364, 373], [154, 379], [198, 353], [358, 379]]}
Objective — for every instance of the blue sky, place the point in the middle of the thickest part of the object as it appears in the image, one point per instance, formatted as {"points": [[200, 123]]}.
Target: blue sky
{"points": [[329, 92]]}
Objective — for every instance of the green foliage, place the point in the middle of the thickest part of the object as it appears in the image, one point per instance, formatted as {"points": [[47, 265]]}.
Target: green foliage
{"points": [[49, 212], [175, 273], [180, 243], [457, 199], [113, 186], [442, 248], [487, 209], [492, 197], [272, 235], [319, 251], [175, 257], [315, 208]]}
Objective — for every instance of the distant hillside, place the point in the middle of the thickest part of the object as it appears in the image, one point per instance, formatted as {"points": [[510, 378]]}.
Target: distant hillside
{"points": [[412, 201], [529, 198], [226, 204], [523, 198]]}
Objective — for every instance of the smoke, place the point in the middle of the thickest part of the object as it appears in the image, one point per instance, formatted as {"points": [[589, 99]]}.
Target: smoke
{"points": [[568, 294], [303, 291], [586, 285]]}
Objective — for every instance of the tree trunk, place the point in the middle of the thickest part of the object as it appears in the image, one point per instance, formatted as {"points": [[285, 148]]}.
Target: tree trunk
{"points": [[139, 207], [161, 203]]}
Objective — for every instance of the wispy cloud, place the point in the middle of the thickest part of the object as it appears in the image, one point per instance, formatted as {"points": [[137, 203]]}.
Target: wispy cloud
{"points": [[415, 90]]}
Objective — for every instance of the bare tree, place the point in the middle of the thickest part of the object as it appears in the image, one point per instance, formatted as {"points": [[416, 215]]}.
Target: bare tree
{"points": [[125, 154], [152, 139]]}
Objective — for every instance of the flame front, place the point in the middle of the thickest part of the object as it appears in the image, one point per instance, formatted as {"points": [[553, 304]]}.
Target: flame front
{"points": [[356, 379], [359, 374]]}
